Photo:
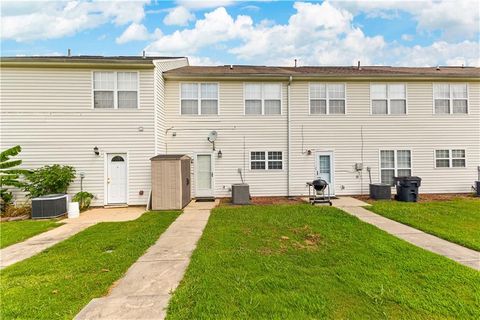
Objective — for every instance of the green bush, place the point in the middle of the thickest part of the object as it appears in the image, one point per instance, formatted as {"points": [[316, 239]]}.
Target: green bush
{"points": [[10, 174], [84, 199], [49, 180]]}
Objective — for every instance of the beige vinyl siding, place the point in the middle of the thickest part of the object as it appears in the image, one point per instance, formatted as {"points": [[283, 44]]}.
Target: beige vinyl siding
{"points": [[259, 133], [160, 124], [49, 113], [419, 131]]}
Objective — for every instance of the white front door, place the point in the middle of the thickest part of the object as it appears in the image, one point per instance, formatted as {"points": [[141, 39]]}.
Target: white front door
{"points": [[204, 175], [325, 168], [116, 178]]}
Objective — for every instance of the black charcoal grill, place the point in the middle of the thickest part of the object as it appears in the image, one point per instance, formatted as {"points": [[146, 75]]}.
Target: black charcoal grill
{"points": [[319, 192]]}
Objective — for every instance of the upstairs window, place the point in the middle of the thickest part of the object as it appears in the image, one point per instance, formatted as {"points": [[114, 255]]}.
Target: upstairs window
{"points": [[266, 160], [388, 99], [394, 163], [446, 158], [199, 99], [263, 98], [450, 98], [327, 98], [115, 90]]}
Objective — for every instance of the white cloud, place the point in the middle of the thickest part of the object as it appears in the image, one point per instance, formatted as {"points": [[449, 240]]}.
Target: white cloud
{"points": [[179, 16], [24, 21], [217, 26], [204, 61], [457, 19], [134, 32], [204, 4], [407, 37], [316, 34]]}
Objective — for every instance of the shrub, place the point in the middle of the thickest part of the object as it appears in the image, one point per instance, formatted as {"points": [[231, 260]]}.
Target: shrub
{"points": [[49, 180], [9, 174], [17, 210], [84, 199]]}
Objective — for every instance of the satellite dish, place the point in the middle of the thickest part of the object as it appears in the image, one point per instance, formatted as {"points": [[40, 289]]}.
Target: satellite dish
{"points": [[212, 136]]}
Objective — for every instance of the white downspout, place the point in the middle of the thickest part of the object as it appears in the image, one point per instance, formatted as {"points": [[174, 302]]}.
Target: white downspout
{"points": [[290, 79]]}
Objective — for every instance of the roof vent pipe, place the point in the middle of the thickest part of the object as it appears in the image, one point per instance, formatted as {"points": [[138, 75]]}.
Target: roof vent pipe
{"points": [[69, 52], [358, 65], [231, 66], [143, 55], [295, 63], [438, 67]]}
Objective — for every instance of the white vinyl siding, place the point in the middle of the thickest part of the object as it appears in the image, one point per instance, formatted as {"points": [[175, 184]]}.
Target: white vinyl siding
{"points": [[388, 99], [199, 99], [115, 90], [327, 98], [263, 98], [395, 163], [450, 98], [450, 158], [266, 160]]}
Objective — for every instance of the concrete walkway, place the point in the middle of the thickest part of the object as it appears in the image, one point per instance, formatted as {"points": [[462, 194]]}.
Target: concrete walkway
{"points": [[32, 246], [465, 256], [146, 288]]}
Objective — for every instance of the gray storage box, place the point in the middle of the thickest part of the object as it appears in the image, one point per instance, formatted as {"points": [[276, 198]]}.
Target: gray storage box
{"points": [[477, 188], [240, 193], [49, 206], [380, 191]]}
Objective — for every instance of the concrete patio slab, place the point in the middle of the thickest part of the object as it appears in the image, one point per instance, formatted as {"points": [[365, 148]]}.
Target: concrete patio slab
{"points": [[465, 256], [34, 245], [146, 288]]}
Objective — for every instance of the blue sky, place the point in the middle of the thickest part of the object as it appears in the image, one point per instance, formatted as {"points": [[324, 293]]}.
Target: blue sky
{"points": [[410, 33]]}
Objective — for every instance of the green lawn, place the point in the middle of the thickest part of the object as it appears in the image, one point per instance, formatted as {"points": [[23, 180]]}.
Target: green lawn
{"points": [[306, 262], [17, 231], [60, 281], [455, 220]]}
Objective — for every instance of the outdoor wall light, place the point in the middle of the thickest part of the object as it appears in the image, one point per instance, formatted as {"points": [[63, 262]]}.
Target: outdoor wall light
{"points": [[219, 154], [309, 152], [95, 150]]}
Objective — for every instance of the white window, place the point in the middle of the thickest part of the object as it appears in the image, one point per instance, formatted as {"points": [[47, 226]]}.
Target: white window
{"points": [[199, 98], [394, 163], [450, 158], [327, 98], [263, 98], [388, 98], [266, 160], [450, 98], [115, 90]]}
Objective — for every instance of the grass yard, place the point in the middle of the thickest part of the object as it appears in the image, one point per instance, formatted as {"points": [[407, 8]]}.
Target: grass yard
{"points": [[60, 281], [306, 262], [456, 220], [18, 231]]}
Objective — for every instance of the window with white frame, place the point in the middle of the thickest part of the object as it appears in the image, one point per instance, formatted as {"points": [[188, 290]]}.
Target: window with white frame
{"points": [[266, 160], [263, 98], [388, 98], [450, 98], [115, 90], [394, 163], [199, 98], [327, 98], [450, 158]]}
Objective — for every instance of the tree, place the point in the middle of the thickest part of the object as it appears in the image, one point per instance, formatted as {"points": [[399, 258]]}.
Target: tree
{"points": [[9, 176]]}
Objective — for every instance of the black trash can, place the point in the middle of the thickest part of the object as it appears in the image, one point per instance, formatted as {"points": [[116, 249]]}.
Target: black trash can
{"points": [[380, 191], [477, 188], [407, 188]]}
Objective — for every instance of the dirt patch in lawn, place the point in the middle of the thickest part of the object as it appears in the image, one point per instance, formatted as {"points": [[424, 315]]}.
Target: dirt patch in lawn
{"points": [[428, 197], [262, 201]]}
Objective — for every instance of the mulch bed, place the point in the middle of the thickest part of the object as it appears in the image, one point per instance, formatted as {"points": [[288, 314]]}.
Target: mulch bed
{"points": [[428, 197], [261, 201]]}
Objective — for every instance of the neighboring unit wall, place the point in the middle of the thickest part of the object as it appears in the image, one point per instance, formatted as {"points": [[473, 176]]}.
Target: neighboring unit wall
{"points": [[48, 112], [419, 130], [238, 134], [160, 124]]}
